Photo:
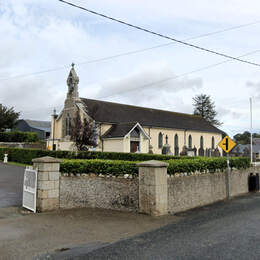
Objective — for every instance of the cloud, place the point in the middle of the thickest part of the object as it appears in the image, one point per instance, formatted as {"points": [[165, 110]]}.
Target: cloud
{"points": [[254, 89], [41, 35], [224, 113], [147, 82], [151, 85]]}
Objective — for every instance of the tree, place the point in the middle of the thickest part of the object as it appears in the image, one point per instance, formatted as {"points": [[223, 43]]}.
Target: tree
{"points": [[8, 118], [245, 138], [205, 107], [83, 134]]}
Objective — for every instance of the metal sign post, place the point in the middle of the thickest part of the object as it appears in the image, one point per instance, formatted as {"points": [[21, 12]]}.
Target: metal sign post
{"points": [[30, 189], [227, 144], [228, 178]]}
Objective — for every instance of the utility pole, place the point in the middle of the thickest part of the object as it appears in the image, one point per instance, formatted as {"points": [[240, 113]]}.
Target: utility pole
{"points": [[251, 130]]}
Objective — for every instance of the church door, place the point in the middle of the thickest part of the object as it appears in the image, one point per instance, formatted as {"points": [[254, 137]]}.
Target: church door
{"points": [[134, 146]]}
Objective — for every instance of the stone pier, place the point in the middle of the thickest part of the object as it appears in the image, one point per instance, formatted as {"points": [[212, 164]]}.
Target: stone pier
{"points": [[48, 183], [153, 188]]}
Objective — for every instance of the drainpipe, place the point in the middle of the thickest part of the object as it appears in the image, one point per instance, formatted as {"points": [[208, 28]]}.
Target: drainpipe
{"points": [[185, 131], [149, 136], [54, 121]]}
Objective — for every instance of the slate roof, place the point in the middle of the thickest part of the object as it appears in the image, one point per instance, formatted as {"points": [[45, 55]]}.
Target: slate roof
{"points": [[119, 130], [41, 125], [256, 141], [115, 113]]}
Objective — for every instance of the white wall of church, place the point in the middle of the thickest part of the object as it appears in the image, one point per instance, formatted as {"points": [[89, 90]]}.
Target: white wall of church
{"points": [[113, 145], [207, 138], [182, 138], [144, 144], [154, 133]]}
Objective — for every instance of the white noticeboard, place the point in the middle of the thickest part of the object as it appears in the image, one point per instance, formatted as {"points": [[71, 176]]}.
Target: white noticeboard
{"points": [[30, 189]]}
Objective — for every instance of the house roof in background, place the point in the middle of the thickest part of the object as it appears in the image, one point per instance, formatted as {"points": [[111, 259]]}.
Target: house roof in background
{"points": [[115, 113], [256, 141], [41, 125], [241, 147]]}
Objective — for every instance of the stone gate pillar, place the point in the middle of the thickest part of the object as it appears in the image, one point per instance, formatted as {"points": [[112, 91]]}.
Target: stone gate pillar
{"points": [[48, 183], [153, 188]]}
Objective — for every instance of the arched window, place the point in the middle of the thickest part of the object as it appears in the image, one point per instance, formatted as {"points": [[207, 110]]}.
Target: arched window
{"points": [[212, 142], [190, 142], [176, 145], [201, 142], [160, 140], [68, 124], [201, 150]]}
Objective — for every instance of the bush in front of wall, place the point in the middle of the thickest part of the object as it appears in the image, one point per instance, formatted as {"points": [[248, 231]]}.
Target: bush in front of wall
{"points": [[29, 154], [206, 164], [117, 167], [97, 166], [19, 137]]}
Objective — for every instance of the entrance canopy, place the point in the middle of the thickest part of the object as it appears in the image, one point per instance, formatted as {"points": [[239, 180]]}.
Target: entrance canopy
{"points": [[125, 130]]}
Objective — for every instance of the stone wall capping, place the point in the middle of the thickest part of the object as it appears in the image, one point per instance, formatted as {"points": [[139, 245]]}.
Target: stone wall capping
{"points": [[46, 159], [153, 164]]}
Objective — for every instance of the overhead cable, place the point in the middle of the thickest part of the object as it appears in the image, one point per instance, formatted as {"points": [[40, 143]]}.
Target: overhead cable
{"points": [[161, 35]]}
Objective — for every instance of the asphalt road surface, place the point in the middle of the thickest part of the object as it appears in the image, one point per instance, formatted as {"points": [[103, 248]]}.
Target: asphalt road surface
{"points": [[226, 230], [11, 185]]}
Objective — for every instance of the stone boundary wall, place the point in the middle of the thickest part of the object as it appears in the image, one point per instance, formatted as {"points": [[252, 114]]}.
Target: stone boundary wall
{"points": [[99, 192], [189, 192], [153, 192]]}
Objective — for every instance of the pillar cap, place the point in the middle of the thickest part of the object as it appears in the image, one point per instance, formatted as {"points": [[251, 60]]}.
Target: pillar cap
{"points": [[46, 159], [153, 163]]}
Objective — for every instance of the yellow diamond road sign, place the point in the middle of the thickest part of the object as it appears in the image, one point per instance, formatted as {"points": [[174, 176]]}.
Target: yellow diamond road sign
{"points": [[227, 144]]}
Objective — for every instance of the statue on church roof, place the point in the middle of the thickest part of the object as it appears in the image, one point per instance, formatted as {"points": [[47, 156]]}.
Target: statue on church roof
{"points": [[73, 81]]}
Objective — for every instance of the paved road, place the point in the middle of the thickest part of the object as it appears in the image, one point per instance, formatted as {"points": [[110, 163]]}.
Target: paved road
{"points": [[227, 230], [11, 185]]}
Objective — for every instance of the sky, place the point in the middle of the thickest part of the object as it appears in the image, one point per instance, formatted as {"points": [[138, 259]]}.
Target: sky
{"points": [[40, 39]]}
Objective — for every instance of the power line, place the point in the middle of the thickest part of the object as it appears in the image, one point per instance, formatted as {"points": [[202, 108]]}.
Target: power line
{"points": [[168, 79], [179, 76], [129, 52], [160, 35]]}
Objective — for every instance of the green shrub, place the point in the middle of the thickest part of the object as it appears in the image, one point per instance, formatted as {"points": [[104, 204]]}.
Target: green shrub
{"points": [[30, 154], [19, 137], [206, 164], [120, 166], [98, 166], [116, 167]]}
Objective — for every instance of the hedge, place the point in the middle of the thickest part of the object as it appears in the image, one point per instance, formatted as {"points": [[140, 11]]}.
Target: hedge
{"points": [[98, 166], [206, 164], [186, 164], [116, 167], [26, 155], [19, 137]]}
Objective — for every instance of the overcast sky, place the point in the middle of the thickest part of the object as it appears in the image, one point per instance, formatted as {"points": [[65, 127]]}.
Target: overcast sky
{"points": [[47, 35]]}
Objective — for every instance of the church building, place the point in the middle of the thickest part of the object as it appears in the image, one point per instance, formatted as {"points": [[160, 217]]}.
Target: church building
{"points": [[127, 128]]}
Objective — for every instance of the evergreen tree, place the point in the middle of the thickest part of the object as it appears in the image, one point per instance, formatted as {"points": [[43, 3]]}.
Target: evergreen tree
{"points": [[8, 118], [205, 107], [83, 134]]}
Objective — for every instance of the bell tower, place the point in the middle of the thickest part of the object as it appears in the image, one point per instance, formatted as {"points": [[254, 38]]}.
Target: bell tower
{"points": [[70, 107], [72, 82]]}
